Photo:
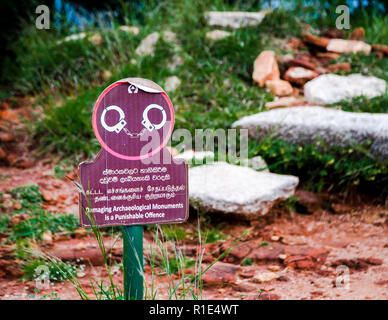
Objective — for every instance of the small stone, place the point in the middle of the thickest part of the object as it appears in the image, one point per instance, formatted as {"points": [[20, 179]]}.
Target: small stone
{"points": [[11, 159], [282, 256], [80, 232], [380, 48], [269, 296], [147, 45], [17, 206], [293, 62], [348, 46], [315, 40], [247, 273], [306, 258], [73, 37], [169, 36], [81, 274], [172, 83], [47, 237], [221, 273], [335, 33], [295, 43], [285, 102], [131, 29], [3, 155], [358, 34], [175, 62], [300, 75], [9, 115], [96, 39], [265, 277], [273, 268], [283, 278], [279, 87], [7, 137], [15, 220], [328, 55], [106, 75], [275, 238], [217, 35], [344, 66], [46, 196], [265, 68]]}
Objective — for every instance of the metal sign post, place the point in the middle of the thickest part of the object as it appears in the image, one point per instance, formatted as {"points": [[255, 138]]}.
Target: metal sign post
{"points": [[133, 262], [133, 181]]}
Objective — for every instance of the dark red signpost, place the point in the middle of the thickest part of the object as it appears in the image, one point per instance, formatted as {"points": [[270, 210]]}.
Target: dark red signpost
{"points": [[133, 180]]}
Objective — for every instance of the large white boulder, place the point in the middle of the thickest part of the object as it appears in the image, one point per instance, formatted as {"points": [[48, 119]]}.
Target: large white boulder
{"points": [[303, 125], [238, 190], [331, 88], [234, 19]]}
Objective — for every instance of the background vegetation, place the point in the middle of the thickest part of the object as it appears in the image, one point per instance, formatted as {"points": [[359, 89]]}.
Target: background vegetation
{"points": [[65, 78]]}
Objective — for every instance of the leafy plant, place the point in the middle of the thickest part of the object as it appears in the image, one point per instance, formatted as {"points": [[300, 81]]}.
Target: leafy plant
{"points": [[323, 166], [27, 194], [247, 262], [54, 273]]}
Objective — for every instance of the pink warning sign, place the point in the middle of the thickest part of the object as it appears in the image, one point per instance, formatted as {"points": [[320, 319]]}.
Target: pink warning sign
{"points": [[133, 179]]}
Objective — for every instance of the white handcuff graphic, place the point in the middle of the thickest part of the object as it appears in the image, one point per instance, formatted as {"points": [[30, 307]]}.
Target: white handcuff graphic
{"points": [[120, 125]]}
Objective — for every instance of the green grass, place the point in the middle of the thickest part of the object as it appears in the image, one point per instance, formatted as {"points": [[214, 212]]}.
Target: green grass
{"points": [[320, 166], [363, 104], [38, 220], [214, 234], [216, 87], [247, 262], [366, 64]]}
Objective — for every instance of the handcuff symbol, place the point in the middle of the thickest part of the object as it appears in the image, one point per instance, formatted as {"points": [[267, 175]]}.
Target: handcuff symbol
{"points": [[119, 125], [147, 123], [122, 123]]}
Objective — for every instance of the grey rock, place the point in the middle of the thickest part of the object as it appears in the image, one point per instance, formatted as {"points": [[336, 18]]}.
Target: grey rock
{"points": [[175, 62], [130, 29], [169, 36], [258, 163], [147, 45], [172, 83], [331, 88], [238, 190], [217, 34], [303, 125], [234, 19]]}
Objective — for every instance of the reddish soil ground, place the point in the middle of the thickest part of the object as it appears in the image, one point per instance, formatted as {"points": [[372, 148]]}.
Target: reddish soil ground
{"points": [[284, 256]]}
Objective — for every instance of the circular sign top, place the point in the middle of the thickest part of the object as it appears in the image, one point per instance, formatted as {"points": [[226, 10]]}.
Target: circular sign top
{"points": [[131, 121]]}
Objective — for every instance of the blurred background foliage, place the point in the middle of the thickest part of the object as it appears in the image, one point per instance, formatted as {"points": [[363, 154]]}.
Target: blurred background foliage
{"points": [[65, 78]]}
